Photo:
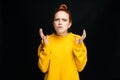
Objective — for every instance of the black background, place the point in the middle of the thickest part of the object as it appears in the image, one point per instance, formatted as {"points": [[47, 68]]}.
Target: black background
{"points": [[20, 21]]}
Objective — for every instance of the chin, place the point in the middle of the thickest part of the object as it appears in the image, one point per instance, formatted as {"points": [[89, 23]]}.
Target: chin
{"points": [[60, 31]]}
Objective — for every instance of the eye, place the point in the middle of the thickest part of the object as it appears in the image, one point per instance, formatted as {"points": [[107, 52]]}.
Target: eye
{"points": [[64, 19], [56, 19]]}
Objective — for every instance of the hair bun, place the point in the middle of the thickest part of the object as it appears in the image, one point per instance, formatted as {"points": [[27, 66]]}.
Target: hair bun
{"points": [[63, 6]]}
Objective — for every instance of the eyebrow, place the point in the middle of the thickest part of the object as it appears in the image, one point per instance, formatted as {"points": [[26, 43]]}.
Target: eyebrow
{"points": [[59, 18]]}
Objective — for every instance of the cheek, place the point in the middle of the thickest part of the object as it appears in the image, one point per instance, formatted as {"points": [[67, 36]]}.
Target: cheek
{"points": [[67, 24], [54, 24]]}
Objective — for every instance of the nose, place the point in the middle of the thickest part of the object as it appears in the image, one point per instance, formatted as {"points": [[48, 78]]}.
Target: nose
{"points": [[60, 22]]}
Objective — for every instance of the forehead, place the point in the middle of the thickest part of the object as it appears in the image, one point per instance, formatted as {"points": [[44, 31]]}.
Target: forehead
{"points": [[61, 14]]}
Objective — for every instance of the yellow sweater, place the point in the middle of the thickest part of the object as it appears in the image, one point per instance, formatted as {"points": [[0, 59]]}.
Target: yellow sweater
{"points": [[62, 58]]}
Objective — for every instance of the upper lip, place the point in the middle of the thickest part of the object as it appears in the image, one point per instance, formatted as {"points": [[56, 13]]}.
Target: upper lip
{"points": [[59, 27]]}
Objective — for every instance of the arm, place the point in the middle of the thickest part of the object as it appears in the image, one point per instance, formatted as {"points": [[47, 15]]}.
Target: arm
{"points": [[43, 57], [43, 53], [80, 53]]}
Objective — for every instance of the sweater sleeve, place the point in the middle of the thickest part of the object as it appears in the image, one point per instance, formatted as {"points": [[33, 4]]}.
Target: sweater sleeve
{"points": [[43, 57], [80, 53]]}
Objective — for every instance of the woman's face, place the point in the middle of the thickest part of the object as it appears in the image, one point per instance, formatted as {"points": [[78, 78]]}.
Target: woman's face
{"points": [[61, 23]]}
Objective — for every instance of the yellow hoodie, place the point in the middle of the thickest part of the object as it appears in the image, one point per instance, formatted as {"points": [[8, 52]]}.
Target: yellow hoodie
{"points": [[62, 58]]}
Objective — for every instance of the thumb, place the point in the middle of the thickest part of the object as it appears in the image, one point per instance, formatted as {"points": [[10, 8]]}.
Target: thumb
{"points": [[84, 34], [41, 33]]}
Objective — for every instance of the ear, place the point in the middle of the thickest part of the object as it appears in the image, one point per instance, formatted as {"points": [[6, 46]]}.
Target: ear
{"points": [[70, 24]]}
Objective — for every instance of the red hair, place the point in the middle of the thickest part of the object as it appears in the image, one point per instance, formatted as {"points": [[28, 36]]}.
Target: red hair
{"points": [[63, 7]]}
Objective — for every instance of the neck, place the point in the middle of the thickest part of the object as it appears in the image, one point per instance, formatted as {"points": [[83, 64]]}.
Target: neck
{"points": [[62, 34]]}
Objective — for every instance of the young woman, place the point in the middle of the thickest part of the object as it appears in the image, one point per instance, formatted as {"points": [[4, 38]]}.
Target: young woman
{"points": [[62, 54]]}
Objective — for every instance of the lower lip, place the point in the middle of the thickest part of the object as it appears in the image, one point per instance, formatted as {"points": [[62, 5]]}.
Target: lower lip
{"points": [[59, 27]]}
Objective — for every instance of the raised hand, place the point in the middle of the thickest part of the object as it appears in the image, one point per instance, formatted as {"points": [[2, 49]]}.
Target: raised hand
{"points": [[44, 38], [82, 37]]}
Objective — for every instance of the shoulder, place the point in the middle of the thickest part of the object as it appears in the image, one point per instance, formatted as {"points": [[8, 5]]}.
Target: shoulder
{"points": [[51, 36], [75, 35]]}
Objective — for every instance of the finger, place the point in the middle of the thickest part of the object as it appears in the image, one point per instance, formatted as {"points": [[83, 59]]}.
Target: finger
{"points": [[41, 33], [45, 39], [77, 40], [84, 34]]}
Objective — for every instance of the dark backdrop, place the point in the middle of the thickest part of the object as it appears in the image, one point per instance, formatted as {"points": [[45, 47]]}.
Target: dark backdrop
{"points": [[21, 20]]}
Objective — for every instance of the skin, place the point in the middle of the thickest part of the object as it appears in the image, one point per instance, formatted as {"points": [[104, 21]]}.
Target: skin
{"points": [[61, 25]]}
